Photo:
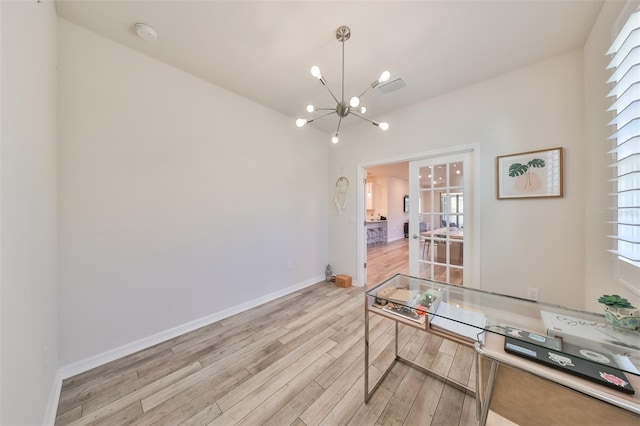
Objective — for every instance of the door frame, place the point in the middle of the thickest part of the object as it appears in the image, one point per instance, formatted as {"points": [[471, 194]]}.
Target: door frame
{"points": [[474, 215]]}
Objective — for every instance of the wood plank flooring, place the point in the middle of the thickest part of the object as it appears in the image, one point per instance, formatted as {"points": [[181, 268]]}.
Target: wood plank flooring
{"points": [[298, 360], [384, 260]]}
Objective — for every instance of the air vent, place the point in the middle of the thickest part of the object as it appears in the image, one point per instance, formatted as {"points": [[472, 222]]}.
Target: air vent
{"points": [[392, 86]]}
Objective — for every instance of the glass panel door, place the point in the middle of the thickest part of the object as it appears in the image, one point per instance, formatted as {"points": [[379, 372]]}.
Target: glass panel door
{"points": [[437, 218]]}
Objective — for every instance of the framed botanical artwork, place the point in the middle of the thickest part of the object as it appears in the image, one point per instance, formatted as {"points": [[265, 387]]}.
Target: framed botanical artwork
{"points": [[534, 174]]}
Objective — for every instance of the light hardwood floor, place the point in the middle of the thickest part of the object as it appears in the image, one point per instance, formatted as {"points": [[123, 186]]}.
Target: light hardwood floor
{"points": [[384, 260], [295, 361]]}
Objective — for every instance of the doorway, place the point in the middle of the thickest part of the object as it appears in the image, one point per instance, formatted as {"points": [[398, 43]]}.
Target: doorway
{"points": [[387, 247], [458, 260]]}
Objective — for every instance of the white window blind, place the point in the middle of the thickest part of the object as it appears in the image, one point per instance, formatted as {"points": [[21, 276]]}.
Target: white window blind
{"points": [[625, 66]]}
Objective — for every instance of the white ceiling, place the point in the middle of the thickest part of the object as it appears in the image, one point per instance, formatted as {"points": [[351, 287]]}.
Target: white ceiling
{"points": [[263, 50]]}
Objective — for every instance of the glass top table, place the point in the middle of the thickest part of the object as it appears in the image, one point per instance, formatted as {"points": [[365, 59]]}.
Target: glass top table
{"points": [[565, 337], [574, 349]]}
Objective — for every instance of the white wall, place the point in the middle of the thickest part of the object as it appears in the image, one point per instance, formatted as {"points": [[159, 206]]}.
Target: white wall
{"points": [[178, 199], [524, 243], [599, 276], [396, 217], [28, 215]]}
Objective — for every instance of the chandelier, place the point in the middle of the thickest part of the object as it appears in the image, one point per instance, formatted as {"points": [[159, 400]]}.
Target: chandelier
{"points": [[342, 108]]}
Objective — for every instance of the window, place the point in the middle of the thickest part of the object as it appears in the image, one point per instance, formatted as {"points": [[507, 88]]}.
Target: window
{"points": [[625, 66]]}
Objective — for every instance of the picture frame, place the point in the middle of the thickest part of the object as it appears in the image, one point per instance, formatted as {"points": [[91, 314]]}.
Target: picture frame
{"points": [[405, 204], [532, 174]]}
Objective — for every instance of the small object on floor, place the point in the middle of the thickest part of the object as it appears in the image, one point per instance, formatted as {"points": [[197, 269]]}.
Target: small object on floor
{"points": [[343, 280]]}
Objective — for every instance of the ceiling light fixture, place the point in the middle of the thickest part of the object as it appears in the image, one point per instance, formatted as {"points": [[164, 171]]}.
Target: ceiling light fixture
{"points": [[342, 108], [146, 32]]}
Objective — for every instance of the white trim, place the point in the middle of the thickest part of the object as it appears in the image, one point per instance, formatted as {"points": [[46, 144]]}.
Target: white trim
{"points": [[396, 239], [146, 342], [361, 246], [624, 14], [54, 398], [627, 276]]}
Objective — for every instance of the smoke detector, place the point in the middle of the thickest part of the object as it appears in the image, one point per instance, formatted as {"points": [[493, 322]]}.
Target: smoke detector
{"points": [[145, 32]]}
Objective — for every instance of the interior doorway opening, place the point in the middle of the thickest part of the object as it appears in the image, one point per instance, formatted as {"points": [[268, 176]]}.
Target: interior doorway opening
{"points": [[386, 221], [457, 253]]}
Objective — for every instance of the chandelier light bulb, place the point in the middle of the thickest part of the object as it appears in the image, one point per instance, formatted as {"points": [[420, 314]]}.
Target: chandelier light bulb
{"points": [[384, 126], [315, 71], [354, 102], [301, 122], [310, 108], [335, 139], [363, 110], [386, 75]]}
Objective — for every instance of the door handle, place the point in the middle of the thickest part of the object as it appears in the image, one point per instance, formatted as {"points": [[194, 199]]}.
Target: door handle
{"points": [[415, 236]]}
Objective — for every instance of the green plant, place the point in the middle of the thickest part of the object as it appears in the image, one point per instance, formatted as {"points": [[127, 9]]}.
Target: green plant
{"points": [[616, 301], [517, 169]]}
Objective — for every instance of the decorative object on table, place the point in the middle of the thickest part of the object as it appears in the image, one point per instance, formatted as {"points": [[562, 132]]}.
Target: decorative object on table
{"points": [[407, 312], [534, 174], [340, 197], [619, 312], [342, 108], [327, 273], [382, 296], [430, 297]]}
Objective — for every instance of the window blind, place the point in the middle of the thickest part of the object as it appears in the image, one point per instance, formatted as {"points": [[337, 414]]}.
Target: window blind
{"points": [[625, 77]]}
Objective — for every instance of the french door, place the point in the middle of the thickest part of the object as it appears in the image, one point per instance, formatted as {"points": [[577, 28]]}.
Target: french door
{"points": [[439, 225]]}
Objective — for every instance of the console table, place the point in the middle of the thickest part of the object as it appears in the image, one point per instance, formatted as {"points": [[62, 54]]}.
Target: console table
{"points": [[535, 363]]}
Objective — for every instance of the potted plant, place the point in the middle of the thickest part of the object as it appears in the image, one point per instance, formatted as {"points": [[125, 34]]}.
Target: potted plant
{"points": [[619, 312]]}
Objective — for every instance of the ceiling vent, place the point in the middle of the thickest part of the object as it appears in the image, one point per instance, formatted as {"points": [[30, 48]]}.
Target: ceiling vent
{"points": [[392, 86]]}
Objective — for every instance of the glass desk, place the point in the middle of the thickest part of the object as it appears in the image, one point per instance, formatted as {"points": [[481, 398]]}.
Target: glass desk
{"points": [[574, 349]]}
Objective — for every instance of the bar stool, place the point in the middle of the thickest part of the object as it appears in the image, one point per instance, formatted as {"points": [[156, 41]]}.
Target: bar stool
{"points": [[382, 235], [376, 235]]}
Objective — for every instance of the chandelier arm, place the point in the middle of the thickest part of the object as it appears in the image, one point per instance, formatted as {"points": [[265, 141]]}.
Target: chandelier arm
{"points": [[324, 83], [375, 123], [320, 116], [339, 122], [365, 91]]}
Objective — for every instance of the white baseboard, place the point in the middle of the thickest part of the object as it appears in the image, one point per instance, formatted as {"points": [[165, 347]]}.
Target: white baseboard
{"points": [[395, 239], [146, 342], [54, 398]]}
